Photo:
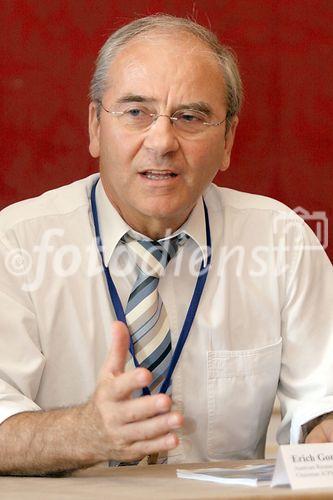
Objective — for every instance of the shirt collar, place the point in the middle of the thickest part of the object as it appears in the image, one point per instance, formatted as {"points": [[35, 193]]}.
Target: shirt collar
{"points": [[195, 227], [113, 227]]}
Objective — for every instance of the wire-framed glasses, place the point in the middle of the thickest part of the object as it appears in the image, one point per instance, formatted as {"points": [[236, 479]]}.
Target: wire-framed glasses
{"points": [[138, 117]]}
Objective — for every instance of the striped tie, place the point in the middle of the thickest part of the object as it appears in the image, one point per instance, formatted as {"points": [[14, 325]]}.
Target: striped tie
{"points": [[145, 312]]}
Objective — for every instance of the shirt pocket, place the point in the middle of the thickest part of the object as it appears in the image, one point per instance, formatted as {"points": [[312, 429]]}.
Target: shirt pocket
{"points": [[241, 391]]}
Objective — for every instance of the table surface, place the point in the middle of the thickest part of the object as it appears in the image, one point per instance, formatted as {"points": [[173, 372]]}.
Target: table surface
{"points": [[156, 482]]}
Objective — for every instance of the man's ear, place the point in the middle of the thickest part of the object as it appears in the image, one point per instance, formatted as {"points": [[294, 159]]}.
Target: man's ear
{"points": [[228, 143], [94, 127]]}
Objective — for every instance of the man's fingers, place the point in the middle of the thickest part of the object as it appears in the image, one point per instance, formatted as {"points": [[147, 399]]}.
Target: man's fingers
{"points": [[140, 449], [120, 388], [137, 409], [151, 428], [162, 443], [117, 357]]}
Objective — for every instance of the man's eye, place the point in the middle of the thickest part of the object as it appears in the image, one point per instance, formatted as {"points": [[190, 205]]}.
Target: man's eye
{"points": [[134, 112], [191, 117]]}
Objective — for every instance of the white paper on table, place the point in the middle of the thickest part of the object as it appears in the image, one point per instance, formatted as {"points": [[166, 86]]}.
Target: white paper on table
{"points": [[247, 475]]}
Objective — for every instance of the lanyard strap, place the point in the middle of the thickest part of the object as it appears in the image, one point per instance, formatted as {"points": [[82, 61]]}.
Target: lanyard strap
{"points": [[119, 310]]}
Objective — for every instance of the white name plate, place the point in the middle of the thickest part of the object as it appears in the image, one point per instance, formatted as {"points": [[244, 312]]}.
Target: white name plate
{"points": [[304, 466]]}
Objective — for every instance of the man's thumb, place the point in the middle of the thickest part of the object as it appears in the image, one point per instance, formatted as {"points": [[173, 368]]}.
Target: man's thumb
{"points": [[117, 357]]}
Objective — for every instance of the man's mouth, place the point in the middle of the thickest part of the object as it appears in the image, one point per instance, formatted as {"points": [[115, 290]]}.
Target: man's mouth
{"points": [[158, 175]]}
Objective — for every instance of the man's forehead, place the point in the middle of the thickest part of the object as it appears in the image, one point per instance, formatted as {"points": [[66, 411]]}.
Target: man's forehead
{"points": [[181, 48], [176, 39], [164, 59]]}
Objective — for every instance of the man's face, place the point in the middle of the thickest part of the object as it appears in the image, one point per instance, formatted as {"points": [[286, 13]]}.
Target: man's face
{"points": [[155, 176]]}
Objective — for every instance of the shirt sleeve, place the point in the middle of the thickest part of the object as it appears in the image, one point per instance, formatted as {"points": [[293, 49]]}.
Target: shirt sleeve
{"points": [[21, 359], [306, 377]]}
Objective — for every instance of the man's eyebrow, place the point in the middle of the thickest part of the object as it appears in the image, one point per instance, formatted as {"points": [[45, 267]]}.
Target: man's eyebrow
{"points": [[202, 106], [134, 98]]}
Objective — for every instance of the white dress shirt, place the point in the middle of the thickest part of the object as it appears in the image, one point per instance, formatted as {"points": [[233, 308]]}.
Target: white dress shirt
{"points": [[264, 323]]}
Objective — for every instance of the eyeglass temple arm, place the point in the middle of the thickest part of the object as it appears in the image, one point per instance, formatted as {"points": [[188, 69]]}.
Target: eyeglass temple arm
{"points": [[216, 124], [118, 113]]}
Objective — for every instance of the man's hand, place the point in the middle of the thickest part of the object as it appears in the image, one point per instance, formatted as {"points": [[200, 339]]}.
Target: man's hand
{"points": [[127, 428], [323, 432], [110, 426]]}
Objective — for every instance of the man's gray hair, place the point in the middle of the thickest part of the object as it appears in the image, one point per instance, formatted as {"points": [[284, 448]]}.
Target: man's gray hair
{"points": [[167, 23]]}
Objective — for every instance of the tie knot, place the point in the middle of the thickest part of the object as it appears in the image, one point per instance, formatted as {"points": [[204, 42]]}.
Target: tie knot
{"points": [[152, 257]]}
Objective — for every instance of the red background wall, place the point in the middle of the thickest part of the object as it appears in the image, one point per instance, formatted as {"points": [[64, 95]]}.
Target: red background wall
{"points": [[284, 147]]}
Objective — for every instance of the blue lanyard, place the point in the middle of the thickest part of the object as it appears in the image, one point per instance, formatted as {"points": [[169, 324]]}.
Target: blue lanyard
{"points": [[119, 310]]}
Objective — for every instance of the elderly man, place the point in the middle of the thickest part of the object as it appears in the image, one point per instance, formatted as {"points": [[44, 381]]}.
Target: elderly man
{"points": [[207, 299]]}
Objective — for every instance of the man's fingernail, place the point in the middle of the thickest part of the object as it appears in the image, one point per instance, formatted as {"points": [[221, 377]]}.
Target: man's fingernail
{"points": [[171, 440], [162, 404], [174, 421], [142, 377]]}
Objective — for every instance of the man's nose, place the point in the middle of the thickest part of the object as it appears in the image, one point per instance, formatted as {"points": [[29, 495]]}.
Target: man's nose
{"points": [[161, 137]]}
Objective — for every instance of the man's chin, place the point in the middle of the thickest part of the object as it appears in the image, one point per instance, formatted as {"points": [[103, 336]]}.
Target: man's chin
{"points": [[170, 217]]}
